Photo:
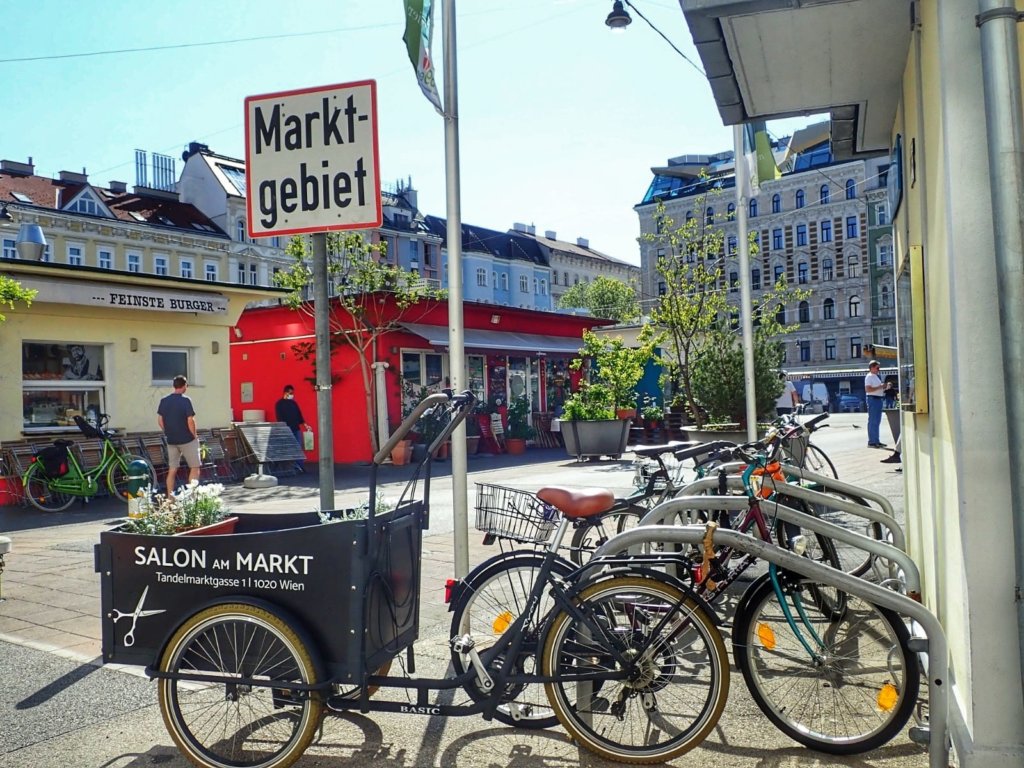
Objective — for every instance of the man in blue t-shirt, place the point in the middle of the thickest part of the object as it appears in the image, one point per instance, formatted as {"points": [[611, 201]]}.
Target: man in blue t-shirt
{"points": [[177, 419]]}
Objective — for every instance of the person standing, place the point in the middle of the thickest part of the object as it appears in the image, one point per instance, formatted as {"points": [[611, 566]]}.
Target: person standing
{"points": [[874, 391], [177, 420], [788, 400], [288, 411]]}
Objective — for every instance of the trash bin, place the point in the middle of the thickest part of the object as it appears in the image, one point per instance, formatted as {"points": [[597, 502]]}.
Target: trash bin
{"points": [[139, 478]]}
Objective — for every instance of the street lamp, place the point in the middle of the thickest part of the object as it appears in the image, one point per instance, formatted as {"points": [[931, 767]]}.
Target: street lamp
{"points": [[618, 19], [31, 242]]}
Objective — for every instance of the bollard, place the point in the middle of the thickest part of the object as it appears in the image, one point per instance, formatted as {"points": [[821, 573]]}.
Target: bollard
{"points": [[139, 478]]}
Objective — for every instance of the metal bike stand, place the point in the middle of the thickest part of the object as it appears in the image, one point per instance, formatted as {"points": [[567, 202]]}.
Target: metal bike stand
{"points": [[668, 510], [934, 644]]}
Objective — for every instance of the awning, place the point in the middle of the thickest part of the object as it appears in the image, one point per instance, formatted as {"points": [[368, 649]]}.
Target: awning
{"points": [[837, 373], [505, 341]]}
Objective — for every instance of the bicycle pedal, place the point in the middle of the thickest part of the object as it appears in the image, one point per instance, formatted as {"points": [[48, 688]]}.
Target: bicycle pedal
{"points": [[462, 644]]}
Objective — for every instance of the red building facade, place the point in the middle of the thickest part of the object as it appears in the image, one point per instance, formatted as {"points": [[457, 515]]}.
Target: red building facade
{"points": [[509, 353]]}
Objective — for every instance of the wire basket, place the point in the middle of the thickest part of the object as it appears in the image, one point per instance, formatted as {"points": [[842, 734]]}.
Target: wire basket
{"points": [[508, 513]]}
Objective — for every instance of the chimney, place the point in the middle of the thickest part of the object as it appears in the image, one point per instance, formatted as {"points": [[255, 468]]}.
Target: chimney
{"points": [[193, 148], [519, 227], [582, 242], [14, 168], [118, 187], [531, 230], [550, 234], [74, 178]]}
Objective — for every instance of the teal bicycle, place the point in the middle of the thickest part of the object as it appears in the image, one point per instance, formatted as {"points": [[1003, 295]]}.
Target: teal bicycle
{"points": [[55, 477]]}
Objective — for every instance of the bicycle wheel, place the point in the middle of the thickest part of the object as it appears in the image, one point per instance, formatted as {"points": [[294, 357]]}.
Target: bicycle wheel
{"points": [[118, 478], [855, 560], [817, 461], [855, 697], [230, 724], [589, 536], [677, 670], [40, 493], [493, 597]]}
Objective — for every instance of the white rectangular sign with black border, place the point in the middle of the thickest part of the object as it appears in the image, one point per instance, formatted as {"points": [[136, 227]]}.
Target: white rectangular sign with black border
{"points": [[311, 160]]}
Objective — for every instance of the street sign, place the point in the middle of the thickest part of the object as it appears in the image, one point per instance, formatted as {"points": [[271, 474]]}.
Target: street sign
{"points": [[311, 160]]}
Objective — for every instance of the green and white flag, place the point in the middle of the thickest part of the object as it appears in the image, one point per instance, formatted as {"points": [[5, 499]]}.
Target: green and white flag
{"points": [[419, 28]]}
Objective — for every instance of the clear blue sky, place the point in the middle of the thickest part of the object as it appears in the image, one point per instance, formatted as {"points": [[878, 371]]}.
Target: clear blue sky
{"points": [[560, 120]]}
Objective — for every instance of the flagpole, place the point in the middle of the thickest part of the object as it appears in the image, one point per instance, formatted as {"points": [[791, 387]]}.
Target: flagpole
{"points": [[456, 339], [746, 321]]}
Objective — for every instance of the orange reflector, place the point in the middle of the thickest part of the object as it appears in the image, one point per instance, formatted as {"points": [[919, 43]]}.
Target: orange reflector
{"points": [[767, 636], [503, 622], [887, 697]]}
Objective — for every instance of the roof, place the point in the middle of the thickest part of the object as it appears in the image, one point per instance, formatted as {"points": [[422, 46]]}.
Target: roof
{"points": [[574, 249], [157, 209], [502, 245]]}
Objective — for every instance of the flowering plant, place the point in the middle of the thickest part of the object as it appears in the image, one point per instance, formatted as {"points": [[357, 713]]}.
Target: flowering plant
{"points": [[192, 507]]}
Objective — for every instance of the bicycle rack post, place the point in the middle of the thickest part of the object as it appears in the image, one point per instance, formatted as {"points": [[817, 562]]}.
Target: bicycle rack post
{"points": [[936, 646]]}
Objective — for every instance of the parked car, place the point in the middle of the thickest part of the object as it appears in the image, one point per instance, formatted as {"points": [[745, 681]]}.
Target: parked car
{"points": [[814, 396], [848, 403]]}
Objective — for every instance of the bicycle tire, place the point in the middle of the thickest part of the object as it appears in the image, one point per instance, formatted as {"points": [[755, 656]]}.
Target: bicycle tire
{"points": [[820, 549], [817, 461], [856, 701], [690, 673], [494, 594], [591, 535], [41, 495], [853, 560], [118, 479], [230, 725]]}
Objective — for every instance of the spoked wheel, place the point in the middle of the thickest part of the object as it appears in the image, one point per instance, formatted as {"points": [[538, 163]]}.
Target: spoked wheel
{"points": [[588, 538], [853, 560], [642, 676], [857, 691], [118, 476], [494, 595], [242, 720], [817, 461], [41, 495]]}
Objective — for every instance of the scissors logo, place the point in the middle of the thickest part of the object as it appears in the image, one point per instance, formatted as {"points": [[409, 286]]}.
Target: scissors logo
{"points": [[129, 638]]}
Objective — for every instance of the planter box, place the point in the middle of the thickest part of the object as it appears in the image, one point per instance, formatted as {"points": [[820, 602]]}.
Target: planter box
{"points": [[221, 527], [737, 436], [596, 438]]}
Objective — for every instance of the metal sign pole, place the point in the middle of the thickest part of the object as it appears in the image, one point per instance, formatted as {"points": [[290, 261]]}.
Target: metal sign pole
{"points": [[324, 413]]}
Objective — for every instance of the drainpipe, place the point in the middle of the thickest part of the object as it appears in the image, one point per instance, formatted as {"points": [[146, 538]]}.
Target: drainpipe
{"points": [[997, 20]]}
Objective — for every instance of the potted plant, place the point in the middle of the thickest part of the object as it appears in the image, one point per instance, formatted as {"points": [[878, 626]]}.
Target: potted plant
{"points": [[194, 510], [519, 429], [590, 427], [652, 413]]}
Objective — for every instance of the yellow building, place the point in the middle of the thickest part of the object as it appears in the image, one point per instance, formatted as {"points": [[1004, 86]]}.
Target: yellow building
{"points": [[129, 295], [937, 85]]}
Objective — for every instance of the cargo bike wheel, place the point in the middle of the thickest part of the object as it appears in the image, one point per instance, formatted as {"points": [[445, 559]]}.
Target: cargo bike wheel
{"points": [[241, 719]]}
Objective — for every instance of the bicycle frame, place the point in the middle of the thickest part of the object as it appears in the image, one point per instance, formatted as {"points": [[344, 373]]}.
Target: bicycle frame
{"points": [[82, 482]]}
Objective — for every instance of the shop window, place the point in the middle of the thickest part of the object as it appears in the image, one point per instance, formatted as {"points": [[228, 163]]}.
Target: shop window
{"points": [[475, 377], [168, 362], [59, 382]]}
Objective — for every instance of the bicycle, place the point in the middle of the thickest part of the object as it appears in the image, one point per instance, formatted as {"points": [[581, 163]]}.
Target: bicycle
{"points": [[51, 491]]}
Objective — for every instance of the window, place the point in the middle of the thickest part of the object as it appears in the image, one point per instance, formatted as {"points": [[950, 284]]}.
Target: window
{"points": [[481, 277], [805, 351], [752, 212], [575, 279], [253, 274], [805, 312], [854, 306], [780, 315], [689, 217], [168, 362], [662, 288], [851, 226], [536, 286], [777, 239], [825, 229], [851, 189], [734, 281], [883, 297], [732, 244], [801, 234], [826, 269], [730, 212], [543, 287], [75, 255], [830, 349], [240, 275], [186, 268], [885, 255], [85, 204], [755, 279], [10, 248], [709, 216], [852, 266], [504, 281], [494, 277], [240, 230], [855, 347], [828, 309], [776, 203], [565, 278], [210, 271], [524, 284], [882, 214], [800, 198], [105, 259], [824, 196], [802, 273], [777, 274], [135, 263], [58, 378], [554, 278]]}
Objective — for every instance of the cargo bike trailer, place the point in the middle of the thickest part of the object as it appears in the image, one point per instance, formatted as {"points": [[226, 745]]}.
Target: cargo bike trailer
{"points": [[252, 636]]}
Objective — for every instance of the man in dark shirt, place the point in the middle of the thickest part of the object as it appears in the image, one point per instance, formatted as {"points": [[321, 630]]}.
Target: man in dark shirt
{"points": [[288, 411], [177, 419]]}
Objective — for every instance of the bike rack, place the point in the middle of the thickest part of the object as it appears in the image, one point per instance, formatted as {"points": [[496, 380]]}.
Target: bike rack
{"points": [[667, 510], [934, 644]]}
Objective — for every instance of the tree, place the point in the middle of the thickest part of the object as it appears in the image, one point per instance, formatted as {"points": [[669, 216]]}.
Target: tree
{"points": [[617, 368], [12, 292], [372, 298], [603, 297], [692, 307]]}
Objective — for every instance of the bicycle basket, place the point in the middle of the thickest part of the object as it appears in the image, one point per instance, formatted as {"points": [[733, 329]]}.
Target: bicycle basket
{"points": [[511, 514]]}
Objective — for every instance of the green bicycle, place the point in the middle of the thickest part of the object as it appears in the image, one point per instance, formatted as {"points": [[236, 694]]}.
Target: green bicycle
{"points": [[55, 478]]}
